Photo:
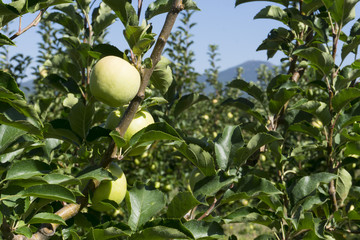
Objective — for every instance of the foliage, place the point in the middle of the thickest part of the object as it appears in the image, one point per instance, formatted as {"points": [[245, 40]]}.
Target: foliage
{"points": [[282, 153]]}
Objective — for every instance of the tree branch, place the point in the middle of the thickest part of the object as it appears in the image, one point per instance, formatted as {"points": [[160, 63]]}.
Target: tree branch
{"points": [[32, 24], [70, 210]]}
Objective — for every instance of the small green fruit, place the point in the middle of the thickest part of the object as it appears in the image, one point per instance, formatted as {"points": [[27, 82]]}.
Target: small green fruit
{"points": [[110, 190], [157, 185], [195, 176], [114, 81], [141, 120]]}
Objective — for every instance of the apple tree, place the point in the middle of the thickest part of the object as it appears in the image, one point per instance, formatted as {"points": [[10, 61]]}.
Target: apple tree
{"points": [[287, 158]]}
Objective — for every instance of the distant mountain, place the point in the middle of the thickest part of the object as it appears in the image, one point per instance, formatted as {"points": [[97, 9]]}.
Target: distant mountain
{"points": [[249, 74], [27, 87]]}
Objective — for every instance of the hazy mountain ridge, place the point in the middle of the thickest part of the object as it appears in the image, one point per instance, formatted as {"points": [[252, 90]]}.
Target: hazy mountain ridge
{"points": [[225, 76], [249, 74]]}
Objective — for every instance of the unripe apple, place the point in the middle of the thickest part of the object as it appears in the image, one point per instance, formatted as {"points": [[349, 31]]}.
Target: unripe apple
{"points": [[141, 120], [114, 81], [195, 176], [114, 190]]}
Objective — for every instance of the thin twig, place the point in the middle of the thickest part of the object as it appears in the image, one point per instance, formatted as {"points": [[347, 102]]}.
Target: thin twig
{"points": [[207, 213], [32, 24], [140, 2]]}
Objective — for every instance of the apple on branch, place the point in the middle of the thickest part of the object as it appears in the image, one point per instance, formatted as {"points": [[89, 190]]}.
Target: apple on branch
{"points": [[114, 81]]}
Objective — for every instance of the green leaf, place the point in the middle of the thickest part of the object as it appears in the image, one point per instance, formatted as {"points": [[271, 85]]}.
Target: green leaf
{"points": [[57, 178], [306, 185], [199, 157], [255, 143], [50, 191], [181, 204], [19, 104], [103, 50], [26, 169], [66, 21], [249, 88], [307, 128], [320, 60], [21, 125], [9, 83], [103, 234], [124, 10], [225, 147], [250, 186], [350, 46], [316, 108], [119, 141], [352, 148], [45, 217], [280, 98], [57, 130], [154, 132], [159, 233], [80, 118], [143, 204], [342, 11], [4, 40], [273, 12], [163, 6], [139, 38], [209, 186], [248, 214], [9, 135], [187, 101], [100, 174], [343, 97], [24, 230], [343, 184], [62, 84], [162, 77], [204, 230], [102, 18]]}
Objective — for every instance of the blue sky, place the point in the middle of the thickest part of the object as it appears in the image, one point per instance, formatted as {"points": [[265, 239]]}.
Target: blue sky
{"points": [[219, 22]]}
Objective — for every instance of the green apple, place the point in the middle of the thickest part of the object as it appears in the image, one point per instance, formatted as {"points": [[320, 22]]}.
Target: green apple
{"points": [[114, 190], [195, 176], [141, 120], [114, 81]]}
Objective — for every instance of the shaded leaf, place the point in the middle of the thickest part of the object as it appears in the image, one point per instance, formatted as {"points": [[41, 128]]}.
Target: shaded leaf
{"points": [[162, 77], [187, 101], [26, 169], [209, 186], [50, 191], [306, 185], [201, 158], [159, 233], [143, 204], [257, 141], [45, 217], [206, 230], [230, 140], [9, 83], [181, 204], [8, 135], [250, 186], [321, 60], [343, 97]]}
